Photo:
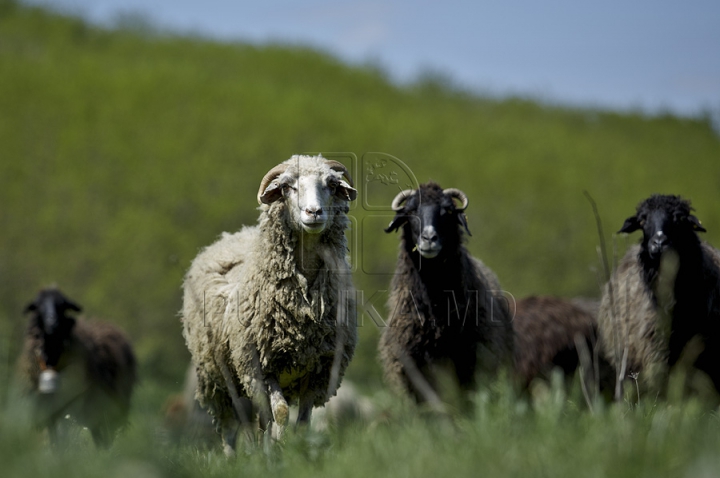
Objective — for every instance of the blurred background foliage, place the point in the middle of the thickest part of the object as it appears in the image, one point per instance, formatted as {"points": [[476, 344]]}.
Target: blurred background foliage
{"points": [[123, 152]]}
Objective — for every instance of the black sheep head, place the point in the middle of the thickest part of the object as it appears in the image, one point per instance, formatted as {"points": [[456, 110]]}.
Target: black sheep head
{"points": [[430, 218], [51, 322], [666, 222]]}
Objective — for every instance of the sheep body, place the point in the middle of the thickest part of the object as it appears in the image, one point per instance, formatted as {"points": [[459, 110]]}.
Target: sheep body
{"points": [[547, 330], [446, 311], [96, 375], [252, 305], [661, 298]]}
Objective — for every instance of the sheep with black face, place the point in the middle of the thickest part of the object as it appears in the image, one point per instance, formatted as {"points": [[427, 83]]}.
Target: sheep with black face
{"points": [[663, 301], [447, 313], [71, 366]]}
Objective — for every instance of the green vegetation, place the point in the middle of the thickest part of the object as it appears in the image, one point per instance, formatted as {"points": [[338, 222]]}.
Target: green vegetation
{"points": [[505, 438], [123, 152]]}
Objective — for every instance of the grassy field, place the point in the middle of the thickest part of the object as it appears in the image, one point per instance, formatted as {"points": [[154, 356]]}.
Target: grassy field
{"points": [[505, 437], [122, 152]]}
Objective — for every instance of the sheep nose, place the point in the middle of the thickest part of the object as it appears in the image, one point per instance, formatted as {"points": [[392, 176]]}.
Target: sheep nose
{"points": [[658, 242], [314, 211], [430, 236]]}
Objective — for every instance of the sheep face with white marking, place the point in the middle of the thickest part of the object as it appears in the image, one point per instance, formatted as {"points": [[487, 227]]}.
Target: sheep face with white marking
{"points": [[52, 327]]}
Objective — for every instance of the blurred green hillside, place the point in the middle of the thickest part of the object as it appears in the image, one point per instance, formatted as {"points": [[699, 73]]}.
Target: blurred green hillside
{"points": [[123, 152]]}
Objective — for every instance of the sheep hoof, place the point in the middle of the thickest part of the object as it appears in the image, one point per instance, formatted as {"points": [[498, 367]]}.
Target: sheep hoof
{"points": [[280, 409], [228, 450]]}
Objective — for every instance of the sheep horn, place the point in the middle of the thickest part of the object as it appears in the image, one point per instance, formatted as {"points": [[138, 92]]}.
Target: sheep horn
{"points": [[456, 193], [272, 174], [340, 167], [400, 198]]}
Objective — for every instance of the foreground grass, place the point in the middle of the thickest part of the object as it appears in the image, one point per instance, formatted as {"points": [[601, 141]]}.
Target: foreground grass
{"points": [[504, 438]]}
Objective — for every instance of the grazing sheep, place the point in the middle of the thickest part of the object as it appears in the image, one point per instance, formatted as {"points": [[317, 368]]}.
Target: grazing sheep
{"points": [[446, 308], [269, 311], [70, 366], [662, 304]]}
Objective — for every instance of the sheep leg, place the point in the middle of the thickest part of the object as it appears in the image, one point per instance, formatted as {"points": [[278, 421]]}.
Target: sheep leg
{"points": [[245, 418], [306, 403], [228, 432], [305, 412], [279, 406]]}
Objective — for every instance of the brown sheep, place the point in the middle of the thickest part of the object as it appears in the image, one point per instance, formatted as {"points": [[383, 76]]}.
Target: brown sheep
{"points": [[547, 331], [70, 366]]}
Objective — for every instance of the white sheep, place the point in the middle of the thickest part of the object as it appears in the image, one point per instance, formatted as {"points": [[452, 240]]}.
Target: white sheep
{"points": [[269, 311]]}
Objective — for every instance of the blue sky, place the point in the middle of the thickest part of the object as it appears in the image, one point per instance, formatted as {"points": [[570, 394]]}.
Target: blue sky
{"points": [[651, 55]]}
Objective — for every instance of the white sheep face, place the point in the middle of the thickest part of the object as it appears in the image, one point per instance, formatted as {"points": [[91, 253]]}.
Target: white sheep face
{"points": [[310, 201], [313, 192]]}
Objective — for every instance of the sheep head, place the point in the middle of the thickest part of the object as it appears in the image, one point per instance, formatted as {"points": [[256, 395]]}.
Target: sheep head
{"points": [[666, 222], [430, 218], [52, 326], [313, 189]]}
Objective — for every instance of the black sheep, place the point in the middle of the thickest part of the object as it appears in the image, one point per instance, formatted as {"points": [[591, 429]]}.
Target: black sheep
{"points": [[70, 366], [447, 313], [662, 304]]}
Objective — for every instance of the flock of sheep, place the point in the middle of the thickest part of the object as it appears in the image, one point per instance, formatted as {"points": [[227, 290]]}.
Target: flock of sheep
{"points": [[269, 314]]}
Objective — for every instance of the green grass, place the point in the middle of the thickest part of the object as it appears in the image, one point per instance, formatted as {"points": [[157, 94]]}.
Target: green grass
{"points": [[122, 152], [504, 437]]}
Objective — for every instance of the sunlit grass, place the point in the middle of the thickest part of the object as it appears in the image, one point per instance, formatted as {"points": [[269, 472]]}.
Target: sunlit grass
{"points": [[123, 152], [503, 437]]}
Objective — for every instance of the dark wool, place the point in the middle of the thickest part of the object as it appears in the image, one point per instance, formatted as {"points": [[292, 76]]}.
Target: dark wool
{"points": [[546, 330], [660, 321], [96, 367], [445, 311]]}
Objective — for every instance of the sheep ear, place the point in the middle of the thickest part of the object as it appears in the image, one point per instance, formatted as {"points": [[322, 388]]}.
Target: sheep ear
{"points": [[463, 222], [345, 191], [272, 193], [31, 307], [631, 225], [396, 223], [696, 224], [70, 305]]}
